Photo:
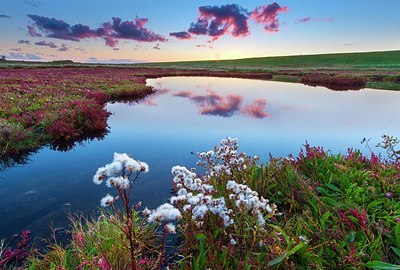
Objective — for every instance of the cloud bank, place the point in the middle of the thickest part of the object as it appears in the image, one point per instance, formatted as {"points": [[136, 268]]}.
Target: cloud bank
{"points": [[111, 32]]}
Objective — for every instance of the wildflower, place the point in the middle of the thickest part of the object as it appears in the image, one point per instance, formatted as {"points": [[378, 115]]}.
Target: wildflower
{"points": [[233, 241], [165, 212], [146, 211], [78, 237], [134, 166], [170, 228], [303, 239], [144, 167], [389, 195], [118, 182], [144, 261], [107, 200]]}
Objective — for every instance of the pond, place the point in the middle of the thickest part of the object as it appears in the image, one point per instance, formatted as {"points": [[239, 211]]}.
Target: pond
{"points": [[191, 114]]}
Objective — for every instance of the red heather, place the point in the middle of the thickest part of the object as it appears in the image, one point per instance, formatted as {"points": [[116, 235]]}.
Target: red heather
{"points": [[18, 254], [361, 216]]}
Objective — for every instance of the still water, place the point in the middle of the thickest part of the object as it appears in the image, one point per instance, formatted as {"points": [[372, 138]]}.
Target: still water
{"points": [[191, 114]]}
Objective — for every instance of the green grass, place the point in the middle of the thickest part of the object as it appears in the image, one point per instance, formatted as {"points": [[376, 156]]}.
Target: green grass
{"points": [[388, 59]]}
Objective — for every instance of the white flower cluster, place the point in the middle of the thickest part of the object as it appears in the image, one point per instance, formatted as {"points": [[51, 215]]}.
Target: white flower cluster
{"points": [[165, 212], [107, 200], [246, 198], [202, 202], [117, 173], [199, 196], [225, 159]]}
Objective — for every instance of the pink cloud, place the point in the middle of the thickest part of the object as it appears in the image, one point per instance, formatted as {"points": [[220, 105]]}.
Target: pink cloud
{"points": [[32, 31], [268, 16]]}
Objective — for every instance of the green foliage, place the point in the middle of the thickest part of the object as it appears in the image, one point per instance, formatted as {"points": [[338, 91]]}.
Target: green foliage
{"points": [[346, 206]]}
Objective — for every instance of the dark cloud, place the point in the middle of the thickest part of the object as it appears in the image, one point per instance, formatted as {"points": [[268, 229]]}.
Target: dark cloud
{"points": [[21, 41], [303, 20], [181, 35], [32, 31], [64, 48], [309, 19], [111, 32], [268, 16], [2, 16], [214, 104], [47, 44], [256, 110], [23, 56], [216, 21], [80, 49], [200, 27]]}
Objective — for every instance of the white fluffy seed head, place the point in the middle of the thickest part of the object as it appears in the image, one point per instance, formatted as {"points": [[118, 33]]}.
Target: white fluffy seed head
{"points": [[107, 200]]}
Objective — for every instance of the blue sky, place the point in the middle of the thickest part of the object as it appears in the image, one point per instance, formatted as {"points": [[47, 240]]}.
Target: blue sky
{"points": [[141, 29]]}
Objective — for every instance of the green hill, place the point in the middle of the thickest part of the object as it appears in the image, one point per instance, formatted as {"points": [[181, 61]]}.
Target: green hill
{"points": [[363, 59]]}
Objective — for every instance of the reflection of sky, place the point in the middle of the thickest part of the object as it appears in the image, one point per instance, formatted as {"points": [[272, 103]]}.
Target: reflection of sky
{"points": [[164, 131]]}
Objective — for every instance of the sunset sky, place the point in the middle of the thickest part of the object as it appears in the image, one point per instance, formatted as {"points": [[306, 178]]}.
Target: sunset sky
{"points": [[124, 31]]}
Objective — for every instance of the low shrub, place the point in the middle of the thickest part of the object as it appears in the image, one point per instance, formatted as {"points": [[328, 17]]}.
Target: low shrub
{"points": [[337, 82]]}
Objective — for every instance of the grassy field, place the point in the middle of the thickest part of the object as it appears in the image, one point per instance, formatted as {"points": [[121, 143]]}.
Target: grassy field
{"points": [[387, 59]]}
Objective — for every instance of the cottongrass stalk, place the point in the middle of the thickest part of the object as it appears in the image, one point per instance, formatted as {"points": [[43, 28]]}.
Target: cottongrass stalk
{"points": [[164, 214], [118, 175]]}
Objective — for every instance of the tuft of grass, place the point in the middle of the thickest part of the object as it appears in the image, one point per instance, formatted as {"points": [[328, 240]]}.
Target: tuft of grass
{"points": [[98, 243]]}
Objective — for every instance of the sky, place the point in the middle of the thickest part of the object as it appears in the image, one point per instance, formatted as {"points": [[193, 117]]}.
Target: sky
{"points": [[129, 31]]}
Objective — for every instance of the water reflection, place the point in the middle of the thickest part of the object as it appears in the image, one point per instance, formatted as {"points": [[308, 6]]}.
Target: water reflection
{"points": [[257, 109], [218, 105]]}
